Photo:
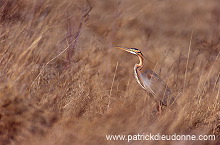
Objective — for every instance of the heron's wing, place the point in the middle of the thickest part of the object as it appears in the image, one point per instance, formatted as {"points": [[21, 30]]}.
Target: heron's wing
{"points": [[156, 86]]}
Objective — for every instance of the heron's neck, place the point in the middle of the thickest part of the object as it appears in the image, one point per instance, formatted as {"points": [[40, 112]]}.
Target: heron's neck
{"points": [[137, 72], [140, 64]]}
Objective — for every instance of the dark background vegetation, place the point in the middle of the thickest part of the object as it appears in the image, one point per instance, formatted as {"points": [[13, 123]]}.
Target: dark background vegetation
{"points": [[62, 82]]}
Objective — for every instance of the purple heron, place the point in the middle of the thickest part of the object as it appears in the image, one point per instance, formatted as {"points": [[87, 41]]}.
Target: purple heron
{"points": [[149, 80]]}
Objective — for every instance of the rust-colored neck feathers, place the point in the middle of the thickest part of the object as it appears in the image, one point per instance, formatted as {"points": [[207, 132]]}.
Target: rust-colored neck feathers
{"points": [[140, 64], [137, 72]]}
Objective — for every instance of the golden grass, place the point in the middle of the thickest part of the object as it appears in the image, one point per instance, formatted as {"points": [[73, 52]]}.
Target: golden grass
{"points": [[48, 97]]}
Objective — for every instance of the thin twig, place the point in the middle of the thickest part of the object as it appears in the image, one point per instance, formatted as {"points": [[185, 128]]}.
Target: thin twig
{"points": [[216, 82], [217, 97], [110, 93], [187, 62]]}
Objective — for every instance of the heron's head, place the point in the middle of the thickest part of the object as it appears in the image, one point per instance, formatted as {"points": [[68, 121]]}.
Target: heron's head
{"points": [[134, 51]]}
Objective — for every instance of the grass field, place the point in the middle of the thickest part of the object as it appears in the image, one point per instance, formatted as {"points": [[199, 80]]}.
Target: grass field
{"points": [[62, 82]]}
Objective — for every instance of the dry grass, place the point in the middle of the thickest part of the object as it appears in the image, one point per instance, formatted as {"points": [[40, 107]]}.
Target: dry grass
{"points": [[77, 96]]}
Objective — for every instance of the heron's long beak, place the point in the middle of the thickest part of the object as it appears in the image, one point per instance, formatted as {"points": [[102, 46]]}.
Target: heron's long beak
{"points": [[125, 49]]}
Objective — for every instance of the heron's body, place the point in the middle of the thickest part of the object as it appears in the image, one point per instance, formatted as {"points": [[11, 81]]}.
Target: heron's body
{"points": [[149, 80]]}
